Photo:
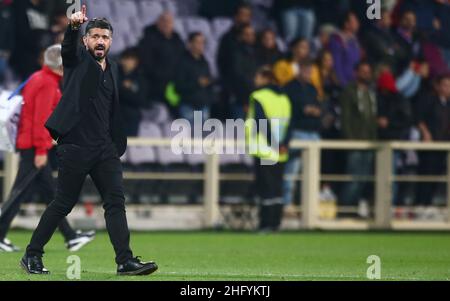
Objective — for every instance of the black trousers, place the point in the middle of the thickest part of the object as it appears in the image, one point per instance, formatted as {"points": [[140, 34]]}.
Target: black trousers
{"points": [[430, 163], [43, 182], [104, 166], [269, 188]]}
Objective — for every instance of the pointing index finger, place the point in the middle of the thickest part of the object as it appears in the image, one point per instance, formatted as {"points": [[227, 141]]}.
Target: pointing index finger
{"points": [[83, 10]]}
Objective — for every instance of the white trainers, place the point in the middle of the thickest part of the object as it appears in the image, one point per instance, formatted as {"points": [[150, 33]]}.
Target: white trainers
{"points": [[363, 209], [7, 246], [82, 239]]}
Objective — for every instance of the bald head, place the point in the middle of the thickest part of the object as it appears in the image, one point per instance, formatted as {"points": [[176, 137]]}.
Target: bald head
{"points": [[165, 23]]}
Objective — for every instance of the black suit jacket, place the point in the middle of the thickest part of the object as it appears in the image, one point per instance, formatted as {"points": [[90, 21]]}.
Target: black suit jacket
{"points": [[80, 85]]}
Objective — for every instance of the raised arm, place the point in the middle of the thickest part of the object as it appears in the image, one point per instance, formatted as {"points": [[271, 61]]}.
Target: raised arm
{"points": [[70, 42]]}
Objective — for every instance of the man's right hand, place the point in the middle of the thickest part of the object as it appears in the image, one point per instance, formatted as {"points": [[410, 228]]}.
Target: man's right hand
{"points": [[204, 81], [311, 110], [40, 161], [427, 137], [78, 18]]}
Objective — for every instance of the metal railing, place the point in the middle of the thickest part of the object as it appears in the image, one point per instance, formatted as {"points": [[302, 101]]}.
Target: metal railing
{"points": [[310, 177]]}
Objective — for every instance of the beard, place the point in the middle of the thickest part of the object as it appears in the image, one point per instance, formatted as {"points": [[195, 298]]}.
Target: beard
{"points": [[99, 52]]}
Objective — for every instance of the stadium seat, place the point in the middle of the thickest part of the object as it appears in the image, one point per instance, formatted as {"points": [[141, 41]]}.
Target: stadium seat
{"points": [[144, 158], [119, 44], [145, 154], [187, 7], [210, 55], [230, 159], [150, 11], [138, 25], [247, 160], [99, 8], [211, 58], [125, 8], [176, 191], [195, 160], [281, 45], [180, 29], [165, 154], [198, 24], [158, 113], [220, 26], [170, 5]]}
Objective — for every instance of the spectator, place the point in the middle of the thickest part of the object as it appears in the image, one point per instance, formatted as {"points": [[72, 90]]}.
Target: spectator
{"points": [[432, 21], [358, 122], [297, 18], [287, 69], [32, 28], [242, 17], [323, 76], [306, 120], [345, 48], [407, 43], [324, 79], [194, 81], [267, 52], [322, 40], [434, 125], [434, 58], [6, 36], [394, 119], [380, 42], [394, 111], [58, 27], [160, 51], [132, 90], [243, 69], [409, 82], [424, 10], [442, 21]]}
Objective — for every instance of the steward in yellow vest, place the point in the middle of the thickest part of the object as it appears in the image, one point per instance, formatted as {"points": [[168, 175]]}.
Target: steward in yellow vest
{"points": [[267, 134]]}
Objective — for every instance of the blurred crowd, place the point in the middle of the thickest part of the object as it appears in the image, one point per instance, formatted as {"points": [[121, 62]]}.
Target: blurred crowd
{"points": [[349, 77]]}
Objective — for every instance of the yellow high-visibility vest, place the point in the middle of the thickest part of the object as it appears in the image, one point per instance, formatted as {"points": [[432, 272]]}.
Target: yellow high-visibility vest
{"points": [[277, 108]]}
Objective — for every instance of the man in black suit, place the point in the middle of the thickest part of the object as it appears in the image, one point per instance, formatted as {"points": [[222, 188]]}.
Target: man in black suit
{"points": [[87, 126]]}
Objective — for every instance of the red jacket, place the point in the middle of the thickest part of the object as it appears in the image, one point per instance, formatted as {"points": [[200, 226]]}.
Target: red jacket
{"points": [[41, 95]]}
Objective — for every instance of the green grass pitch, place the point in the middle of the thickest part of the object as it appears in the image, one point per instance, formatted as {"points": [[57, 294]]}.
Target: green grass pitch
{"points": [[250, 256]]}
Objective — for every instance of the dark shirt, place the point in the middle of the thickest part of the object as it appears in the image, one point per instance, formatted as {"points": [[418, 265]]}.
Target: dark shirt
{"points": [[243, 68], [160, 58], [381, 46], [398, 112], [133, 99], [187, 84], [227, 45], [94, 126], [302, 95], [435, 114]]}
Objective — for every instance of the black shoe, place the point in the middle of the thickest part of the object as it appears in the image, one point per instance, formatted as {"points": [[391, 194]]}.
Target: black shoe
{"points": [[33, 265], [135, 266]]}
